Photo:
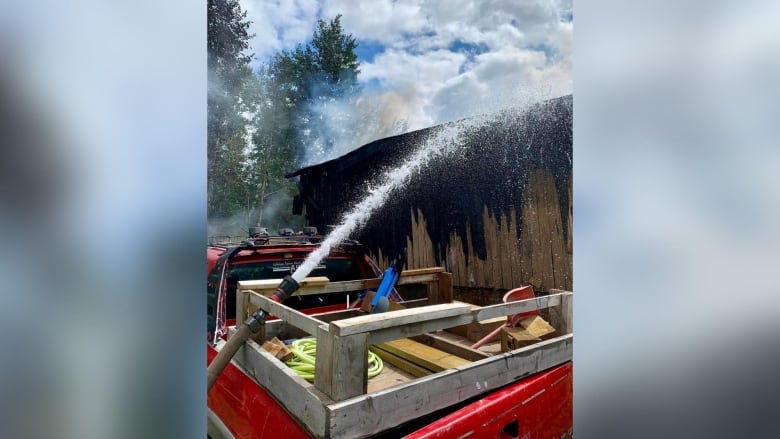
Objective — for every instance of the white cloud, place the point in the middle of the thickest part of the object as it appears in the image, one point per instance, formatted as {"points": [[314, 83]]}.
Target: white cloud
{"points": [[279, 25], [379, 20], [440, 60]]}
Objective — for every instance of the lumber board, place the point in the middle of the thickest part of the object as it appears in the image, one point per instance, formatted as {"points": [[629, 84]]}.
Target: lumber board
{"points": [[272, 284], [323, 365], [561, 316], [516, 307], [286, 386], [283, 330], [321, 284], [418, 271], [451, 344], [410, 329], [373, 322], [405, 365], [347, 419], [242, 298], [389, 377], [423, 355], [340, 360], [350, 357], [417, 328], [296, 318], [477, 330]]}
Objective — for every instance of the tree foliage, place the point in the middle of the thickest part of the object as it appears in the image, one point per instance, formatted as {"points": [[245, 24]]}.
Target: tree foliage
{"points": [[231, 86], [259, 123], [297, 81]]}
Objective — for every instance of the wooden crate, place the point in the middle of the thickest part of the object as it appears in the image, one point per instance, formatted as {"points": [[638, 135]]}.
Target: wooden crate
{"points": [[340, 402]]}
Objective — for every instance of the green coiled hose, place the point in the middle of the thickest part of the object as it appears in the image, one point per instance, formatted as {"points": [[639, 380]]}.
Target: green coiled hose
{"points": [[305, 350]]}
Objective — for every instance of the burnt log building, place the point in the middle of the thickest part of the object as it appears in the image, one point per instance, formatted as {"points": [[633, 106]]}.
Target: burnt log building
{"points": [[497, 212]]}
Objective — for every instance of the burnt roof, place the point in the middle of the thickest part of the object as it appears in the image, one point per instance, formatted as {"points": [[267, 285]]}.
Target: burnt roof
{"points": [[401, 143]]}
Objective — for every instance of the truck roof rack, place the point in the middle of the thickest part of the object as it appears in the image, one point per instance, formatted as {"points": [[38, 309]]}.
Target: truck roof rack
{"points": [[264, 240]]}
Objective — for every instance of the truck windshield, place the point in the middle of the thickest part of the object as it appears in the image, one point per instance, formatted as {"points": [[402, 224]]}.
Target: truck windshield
{"points": [[336, 270]]}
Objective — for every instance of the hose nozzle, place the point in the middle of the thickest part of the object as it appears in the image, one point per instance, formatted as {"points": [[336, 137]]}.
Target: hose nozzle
{"points": [[285, 289]]}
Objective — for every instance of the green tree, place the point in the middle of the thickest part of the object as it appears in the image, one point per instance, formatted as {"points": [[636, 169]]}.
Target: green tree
{"points": [[299, 82], [231, 95]]}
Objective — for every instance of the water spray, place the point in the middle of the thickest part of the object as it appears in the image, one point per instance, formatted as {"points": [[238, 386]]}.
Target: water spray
{"points": [[446, 139]]}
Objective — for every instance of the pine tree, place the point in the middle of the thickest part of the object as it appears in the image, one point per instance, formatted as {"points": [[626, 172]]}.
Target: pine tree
{"points": [[230, 96], [304, 81]]}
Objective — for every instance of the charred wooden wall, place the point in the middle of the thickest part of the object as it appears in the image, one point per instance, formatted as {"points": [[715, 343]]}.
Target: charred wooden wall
{"points": [[497, 214]]}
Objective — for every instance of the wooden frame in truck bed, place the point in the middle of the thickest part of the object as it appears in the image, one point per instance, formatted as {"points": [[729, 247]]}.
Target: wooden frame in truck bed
{"points": [[337, 404]]}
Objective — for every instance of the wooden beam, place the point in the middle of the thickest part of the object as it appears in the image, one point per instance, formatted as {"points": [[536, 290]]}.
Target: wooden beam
{"points": [[417, 328], [242, 298], [272, 284], [285, 385], [504, 309], [323, 365], [294, 317], [342, 364], [561, 316], [419, 271], [423, 355], [391, 319], [442, 342], [401, 363], [321, 285], [443, 389]]}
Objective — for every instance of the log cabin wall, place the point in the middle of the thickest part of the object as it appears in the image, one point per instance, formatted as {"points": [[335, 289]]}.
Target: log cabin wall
{"points": [[497, 215]]}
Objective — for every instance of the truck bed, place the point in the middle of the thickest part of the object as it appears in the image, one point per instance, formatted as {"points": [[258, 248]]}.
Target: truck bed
{"points": [[342, 402]]}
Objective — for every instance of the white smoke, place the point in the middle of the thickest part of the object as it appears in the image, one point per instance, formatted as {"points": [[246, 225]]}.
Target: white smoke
{"points": [[338, 126]]}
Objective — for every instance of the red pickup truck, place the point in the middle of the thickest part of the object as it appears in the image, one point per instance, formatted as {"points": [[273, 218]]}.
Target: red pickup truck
{"points": [[272, 257], [525, 392]]}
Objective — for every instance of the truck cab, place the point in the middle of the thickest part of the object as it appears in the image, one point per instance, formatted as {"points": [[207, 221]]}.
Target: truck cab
{"points": [[262, 256]]}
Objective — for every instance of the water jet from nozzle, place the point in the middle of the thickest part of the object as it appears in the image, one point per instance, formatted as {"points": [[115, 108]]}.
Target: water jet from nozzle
{"points": [[446, 139]]}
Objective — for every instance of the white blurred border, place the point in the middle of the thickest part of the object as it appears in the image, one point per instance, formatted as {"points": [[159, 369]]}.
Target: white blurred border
{"points": [[103, 219], [676, 210]]}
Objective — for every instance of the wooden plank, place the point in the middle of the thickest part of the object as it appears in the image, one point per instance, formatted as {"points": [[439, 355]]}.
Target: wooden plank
{"points": [[417, 328], [513, 245], [561, 316], [272, 284], [350, 366], [283, 330], [420, 271], [242, 298], [566, 309], [445, 287], [296, 318], [380, 333], [429, 394], [477, 330], [391, 319], [286, 386], [276, 348], [342, 362], [423, 355], [450, 343], [389, 377], [268, 286], [323, 365], [407, 366], [433, 292], [504, 309]]}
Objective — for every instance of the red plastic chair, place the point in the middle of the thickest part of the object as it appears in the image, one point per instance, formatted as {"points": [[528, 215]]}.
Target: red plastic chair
{"points": [[521, 293]]}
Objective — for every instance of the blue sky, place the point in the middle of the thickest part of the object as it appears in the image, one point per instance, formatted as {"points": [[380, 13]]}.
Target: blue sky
{"points": [[426, 63]]}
